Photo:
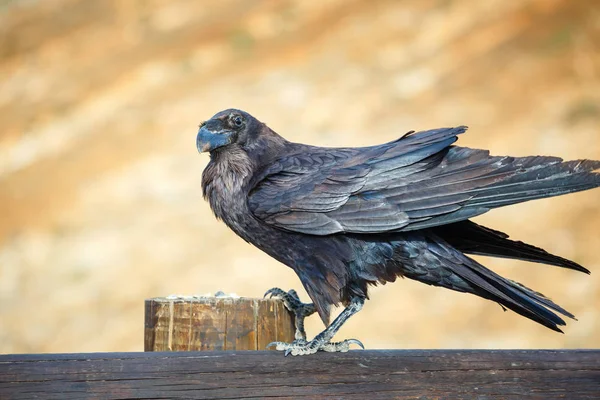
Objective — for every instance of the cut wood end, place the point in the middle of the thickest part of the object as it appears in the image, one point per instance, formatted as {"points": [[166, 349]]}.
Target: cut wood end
{"points": [[224, 322]]}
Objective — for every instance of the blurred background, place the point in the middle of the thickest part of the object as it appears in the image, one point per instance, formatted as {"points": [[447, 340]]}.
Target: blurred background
{"points": [[100, 196]]}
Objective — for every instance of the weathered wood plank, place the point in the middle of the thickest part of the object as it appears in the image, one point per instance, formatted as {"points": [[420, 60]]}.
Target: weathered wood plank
{"points": [[215, 323], [403, 374]]}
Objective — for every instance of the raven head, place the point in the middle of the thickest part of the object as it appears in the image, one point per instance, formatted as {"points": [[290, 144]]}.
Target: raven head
{"points": [[225, 128]]}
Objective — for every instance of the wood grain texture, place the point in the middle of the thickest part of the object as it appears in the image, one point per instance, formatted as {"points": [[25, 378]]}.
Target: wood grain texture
{"points": [[209, 323], [378, 374]]}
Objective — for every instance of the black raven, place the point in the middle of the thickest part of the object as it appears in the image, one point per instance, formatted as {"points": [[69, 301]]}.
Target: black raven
{"points": [[345, 218]]}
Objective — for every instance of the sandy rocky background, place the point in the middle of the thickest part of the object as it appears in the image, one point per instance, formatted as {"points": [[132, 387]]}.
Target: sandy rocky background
{"points": [[100, 197]]}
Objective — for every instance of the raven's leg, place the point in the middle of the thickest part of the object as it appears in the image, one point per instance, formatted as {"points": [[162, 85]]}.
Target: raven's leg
{"points": [[301, 310], [323, 340]]}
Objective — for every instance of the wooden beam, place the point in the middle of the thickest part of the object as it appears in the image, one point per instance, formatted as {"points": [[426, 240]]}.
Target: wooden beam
{"points": [[374, 374], [215, 323]]}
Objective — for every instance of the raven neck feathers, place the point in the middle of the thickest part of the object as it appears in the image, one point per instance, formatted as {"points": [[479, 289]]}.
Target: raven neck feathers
{"points": [[225, 179]]}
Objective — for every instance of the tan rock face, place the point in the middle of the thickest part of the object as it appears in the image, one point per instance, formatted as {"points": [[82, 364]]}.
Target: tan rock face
{"points": [[100, 179]]}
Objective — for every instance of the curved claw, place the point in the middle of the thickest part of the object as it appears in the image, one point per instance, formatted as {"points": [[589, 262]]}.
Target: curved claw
{"points": [[273, 292], [356, 342], [286, 347]]}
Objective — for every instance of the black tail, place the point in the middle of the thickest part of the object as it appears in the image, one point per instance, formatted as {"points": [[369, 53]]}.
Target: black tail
{"points": [[472, 238], [511, 294], [443, 265]]}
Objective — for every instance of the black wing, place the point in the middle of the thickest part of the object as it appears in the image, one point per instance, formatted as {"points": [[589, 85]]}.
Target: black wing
{"points": [[416, 182]]}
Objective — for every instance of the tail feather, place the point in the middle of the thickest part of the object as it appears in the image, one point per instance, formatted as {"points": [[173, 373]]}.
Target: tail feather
{"points": [[513, 295], [472, 238], [443, 265]]}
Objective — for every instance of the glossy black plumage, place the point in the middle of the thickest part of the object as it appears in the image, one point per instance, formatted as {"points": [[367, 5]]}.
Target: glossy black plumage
{"points": [[344, 218]]}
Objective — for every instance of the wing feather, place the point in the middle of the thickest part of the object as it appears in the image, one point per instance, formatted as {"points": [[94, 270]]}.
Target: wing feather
{"points": [[416, 182]]}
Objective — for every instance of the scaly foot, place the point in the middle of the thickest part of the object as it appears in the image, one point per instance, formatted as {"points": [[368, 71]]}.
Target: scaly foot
{"points": [[292, 302], [321, 342], [302, 347]]}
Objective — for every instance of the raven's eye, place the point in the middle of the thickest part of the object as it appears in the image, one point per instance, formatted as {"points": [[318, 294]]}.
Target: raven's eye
{"points": [[238, 121]]}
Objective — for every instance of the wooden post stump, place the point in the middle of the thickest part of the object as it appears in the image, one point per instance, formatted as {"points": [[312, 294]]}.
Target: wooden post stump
{"points": [[191, 323]]}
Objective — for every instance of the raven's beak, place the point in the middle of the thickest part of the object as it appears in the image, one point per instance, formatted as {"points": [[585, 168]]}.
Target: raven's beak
{"points": [[208, 141]]}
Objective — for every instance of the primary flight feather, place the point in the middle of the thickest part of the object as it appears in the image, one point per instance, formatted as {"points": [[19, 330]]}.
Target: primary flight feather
{"points": [[344, 218]]}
